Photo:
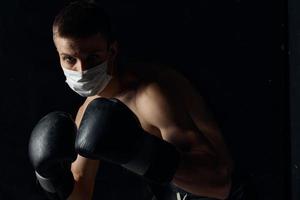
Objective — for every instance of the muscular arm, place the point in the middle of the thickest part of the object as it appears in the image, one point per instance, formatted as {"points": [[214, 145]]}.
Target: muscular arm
{"points": [[84, 171], [180, 115]]}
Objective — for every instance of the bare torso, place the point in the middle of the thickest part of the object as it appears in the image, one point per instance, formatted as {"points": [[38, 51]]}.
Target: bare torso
{"points": [[168, 107], [138, 81]]}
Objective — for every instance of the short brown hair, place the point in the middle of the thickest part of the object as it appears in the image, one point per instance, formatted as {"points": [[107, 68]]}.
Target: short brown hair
{"points": [[82, 19]]}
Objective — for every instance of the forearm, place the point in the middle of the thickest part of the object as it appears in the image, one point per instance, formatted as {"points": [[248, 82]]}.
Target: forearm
{"points": [[80, 192], [84, 172], [202, 174]]}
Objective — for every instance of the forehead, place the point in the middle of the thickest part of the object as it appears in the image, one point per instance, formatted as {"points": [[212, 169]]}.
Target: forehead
{"points": [[80, 45]]}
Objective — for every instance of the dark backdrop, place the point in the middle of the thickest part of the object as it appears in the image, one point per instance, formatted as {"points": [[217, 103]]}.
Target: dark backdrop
{"points": [[233, 51], [294, 77]]}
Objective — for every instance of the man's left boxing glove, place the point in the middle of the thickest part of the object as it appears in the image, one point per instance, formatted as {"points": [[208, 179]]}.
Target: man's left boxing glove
{"points": [[51, 152], [109, 130]]}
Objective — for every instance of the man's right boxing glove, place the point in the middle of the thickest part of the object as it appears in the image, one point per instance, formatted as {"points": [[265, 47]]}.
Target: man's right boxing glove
{"points": [[51, 152]]}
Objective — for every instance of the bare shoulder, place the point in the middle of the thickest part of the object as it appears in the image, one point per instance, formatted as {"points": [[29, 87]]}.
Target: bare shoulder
{"points": [[162, 88], [166, 85], [172, 100], [188, 95], [161, 99]]}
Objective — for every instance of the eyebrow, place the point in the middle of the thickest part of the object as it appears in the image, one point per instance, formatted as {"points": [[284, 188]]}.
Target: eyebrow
{"points": [[93, 52], [97, 51], [66, 54]]}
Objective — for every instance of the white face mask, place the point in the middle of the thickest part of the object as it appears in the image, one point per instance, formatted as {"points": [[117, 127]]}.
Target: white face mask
{"points": [[88, 82]]}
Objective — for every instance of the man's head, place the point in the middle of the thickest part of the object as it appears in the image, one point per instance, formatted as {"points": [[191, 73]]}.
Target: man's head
{"points": [[83, 37], [87, 48]]}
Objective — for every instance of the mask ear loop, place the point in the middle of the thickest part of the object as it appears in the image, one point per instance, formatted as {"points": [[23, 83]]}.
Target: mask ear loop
{"points": [[110, 71]]}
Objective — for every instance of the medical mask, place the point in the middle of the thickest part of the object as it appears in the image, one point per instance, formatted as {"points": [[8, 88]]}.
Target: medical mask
{"points": [[88, 82]]}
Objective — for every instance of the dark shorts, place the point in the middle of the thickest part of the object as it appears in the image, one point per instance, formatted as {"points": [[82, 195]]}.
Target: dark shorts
{"points": [[171, 192], [242, 189], [114, 182]]}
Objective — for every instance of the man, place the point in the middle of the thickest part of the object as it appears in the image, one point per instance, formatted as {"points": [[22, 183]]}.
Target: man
{"points": [[172, 115]]}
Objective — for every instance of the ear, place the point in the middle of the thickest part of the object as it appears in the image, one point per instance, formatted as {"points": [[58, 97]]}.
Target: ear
{"points": [[113, 52], [114, 49]]}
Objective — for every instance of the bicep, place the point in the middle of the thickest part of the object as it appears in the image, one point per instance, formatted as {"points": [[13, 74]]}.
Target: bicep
{"points": [[168, 113], [205, 122], [182, 117]]}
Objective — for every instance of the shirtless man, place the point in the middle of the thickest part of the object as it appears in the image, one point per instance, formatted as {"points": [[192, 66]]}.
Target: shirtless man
{"points": [[174, 140]]}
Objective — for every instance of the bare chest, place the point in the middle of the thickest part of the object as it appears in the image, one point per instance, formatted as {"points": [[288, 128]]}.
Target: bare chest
{"points": [[129, 100]]}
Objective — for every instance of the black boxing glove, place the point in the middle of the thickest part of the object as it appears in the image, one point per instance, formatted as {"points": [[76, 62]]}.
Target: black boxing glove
{"points": [[51, 152], [109, 130]]}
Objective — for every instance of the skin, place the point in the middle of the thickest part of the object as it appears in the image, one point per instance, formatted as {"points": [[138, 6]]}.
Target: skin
{"points": [[167, 106]]}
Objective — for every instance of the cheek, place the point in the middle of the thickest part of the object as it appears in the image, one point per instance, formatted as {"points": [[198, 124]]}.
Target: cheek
{"points": [[64, 64], [109, 68]]}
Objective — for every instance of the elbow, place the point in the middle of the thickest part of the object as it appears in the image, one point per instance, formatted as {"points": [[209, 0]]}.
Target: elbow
{"points": [[224, 191], [224, 188]]}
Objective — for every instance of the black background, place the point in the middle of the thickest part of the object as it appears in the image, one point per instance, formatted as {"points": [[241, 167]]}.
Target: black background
{"points": [[233, 51], [294, 77]]}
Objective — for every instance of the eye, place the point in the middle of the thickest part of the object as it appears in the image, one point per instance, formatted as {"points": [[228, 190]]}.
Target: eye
{"points": [[69, 59], [93, 60]]}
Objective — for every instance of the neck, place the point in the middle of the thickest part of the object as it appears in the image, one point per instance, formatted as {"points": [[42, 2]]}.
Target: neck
{"points": [[111, 90], [117, 86]]}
